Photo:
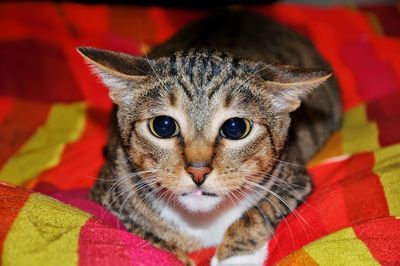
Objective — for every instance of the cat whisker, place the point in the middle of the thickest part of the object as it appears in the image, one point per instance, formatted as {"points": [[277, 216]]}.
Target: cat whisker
{"points": [[261, 174], [117, 183], [229, 196], [294, 193], [286, 183], [290, 186], [108, 194], [123, 205], [151, 195], [99, 179], [299, 197], [276, 208], [290, 189], [288, 163], [170, 200], [291, 208], [265, 218], [247, 209], [298, 216], [143, 202], [117, 196], [121, 179]]}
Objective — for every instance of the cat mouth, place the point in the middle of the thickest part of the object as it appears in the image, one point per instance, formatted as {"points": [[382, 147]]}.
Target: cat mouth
{"points": [[200, 192], [205, 193], [199, 201]]}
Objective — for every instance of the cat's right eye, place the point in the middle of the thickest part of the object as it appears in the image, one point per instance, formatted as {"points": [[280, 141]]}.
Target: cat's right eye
{"points": [[236, 128], [163, 127]]}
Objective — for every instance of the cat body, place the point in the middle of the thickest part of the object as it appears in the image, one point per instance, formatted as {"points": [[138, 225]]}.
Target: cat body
{"points": [[200, 187]]}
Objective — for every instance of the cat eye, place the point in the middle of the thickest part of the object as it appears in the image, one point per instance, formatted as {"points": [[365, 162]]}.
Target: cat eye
{"points": [[163, 127], [235, 128]]}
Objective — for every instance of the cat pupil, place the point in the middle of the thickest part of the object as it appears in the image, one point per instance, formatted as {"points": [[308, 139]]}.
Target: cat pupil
{"points": [[235, 128], [164, 126]]}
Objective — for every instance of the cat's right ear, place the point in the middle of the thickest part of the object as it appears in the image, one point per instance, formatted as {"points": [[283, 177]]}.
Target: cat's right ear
{"points": [[289, 85], [118, 71]]}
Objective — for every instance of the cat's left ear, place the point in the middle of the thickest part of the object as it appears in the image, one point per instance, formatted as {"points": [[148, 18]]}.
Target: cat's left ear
{"points": [[118, 71], [289, 85]]}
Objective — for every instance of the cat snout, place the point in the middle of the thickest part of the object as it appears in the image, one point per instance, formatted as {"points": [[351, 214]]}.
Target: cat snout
{"points": [[198, 173]]}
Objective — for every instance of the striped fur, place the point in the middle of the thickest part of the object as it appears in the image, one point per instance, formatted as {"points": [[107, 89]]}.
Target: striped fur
{"points": [[228, 65]]}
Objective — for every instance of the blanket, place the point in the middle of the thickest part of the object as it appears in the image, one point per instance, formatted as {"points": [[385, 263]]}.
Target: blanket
{"points": [[53, 121]]}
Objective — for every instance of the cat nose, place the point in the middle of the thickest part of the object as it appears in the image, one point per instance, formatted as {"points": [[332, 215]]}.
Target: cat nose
{"points": [[198, 173]]}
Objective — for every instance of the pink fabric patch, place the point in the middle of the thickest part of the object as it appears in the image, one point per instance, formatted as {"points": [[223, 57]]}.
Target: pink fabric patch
{"points": [[102, 245], [385, 112], [375, 78]]}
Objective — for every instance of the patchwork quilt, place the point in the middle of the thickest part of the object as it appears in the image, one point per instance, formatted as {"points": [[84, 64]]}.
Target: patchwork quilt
{"points": [[53, 122]]}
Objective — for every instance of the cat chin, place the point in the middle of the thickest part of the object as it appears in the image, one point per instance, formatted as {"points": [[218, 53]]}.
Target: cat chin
{"points": [[199, 203]]}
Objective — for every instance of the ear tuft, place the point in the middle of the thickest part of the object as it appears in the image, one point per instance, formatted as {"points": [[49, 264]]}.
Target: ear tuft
{"points": [[116, 70], [116, 62]]}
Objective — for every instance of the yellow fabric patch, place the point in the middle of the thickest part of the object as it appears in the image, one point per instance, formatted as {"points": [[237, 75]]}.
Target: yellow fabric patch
{"points": [[358, 133], [340, 248], [387, 167], [43, 150], [44, 227]]}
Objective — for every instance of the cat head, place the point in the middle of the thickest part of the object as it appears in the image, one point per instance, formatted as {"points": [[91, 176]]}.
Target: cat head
{"points": [[208, 125]]}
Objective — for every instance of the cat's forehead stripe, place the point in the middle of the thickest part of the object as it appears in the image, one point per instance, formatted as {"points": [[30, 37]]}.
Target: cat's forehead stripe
{"points": [[185, 89], [201, 67], [172, 65]]}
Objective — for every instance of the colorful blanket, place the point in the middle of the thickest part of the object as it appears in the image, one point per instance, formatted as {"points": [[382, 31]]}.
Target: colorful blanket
{"points": [[53, 120]]}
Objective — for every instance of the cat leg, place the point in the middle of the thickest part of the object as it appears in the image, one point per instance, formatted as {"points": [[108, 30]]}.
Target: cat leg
{"points": [[245, 241], [256, 258], [183, 257]]}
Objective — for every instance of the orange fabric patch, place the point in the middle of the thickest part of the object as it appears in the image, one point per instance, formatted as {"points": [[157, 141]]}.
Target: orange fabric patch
{"points": [[298, 258]]}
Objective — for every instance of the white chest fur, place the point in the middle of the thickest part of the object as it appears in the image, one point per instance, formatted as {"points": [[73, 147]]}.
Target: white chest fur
{"points": [[208, 228]]}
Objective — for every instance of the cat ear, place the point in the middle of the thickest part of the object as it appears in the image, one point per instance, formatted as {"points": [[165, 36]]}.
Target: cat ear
{"points": [[289, 84], [118, 71]]}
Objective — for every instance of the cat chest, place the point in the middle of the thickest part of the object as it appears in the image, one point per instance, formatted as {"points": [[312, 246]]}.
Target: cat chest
{"points": [[208, 229]]}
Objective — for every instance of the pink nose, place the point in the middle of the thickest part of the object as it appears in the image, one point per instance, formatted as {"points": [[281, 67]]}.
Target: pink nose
{"points": [[199, 174]]}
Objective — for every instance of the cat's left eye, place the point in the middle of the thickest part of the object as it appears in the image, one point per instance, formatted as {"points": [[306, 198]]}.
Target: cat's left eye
{"points": [[235, 128], [163, 127]]}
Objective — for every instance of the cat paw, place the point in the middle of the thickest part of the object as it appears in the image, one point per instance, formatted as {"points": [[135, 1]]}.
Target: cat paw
{"points": [[255, 259]]}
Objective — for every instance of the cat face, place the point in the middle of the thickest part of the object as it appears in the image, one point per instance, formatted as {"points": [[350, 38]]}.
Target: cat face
{"points": [[205, 126]]}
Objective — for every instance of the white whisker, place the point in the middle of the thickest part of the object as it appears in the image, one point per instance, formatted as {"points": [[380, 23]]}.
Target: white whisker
{"points": [[298, 216]]}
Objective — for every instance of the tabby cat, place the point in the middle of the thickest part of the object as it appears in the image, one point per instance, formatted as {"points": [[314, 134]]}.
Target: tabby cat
{"points": [[210, 133]]}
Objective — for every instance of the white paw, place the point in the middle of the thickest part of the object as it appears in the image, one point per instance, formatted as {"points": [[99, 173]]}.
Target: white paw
{"points": [[255, 259]]}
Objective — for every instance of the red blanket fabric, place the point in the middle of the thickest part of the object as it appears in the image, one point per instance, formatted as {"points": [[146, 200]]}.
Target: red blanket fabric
{"points": [[54, 112]]}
